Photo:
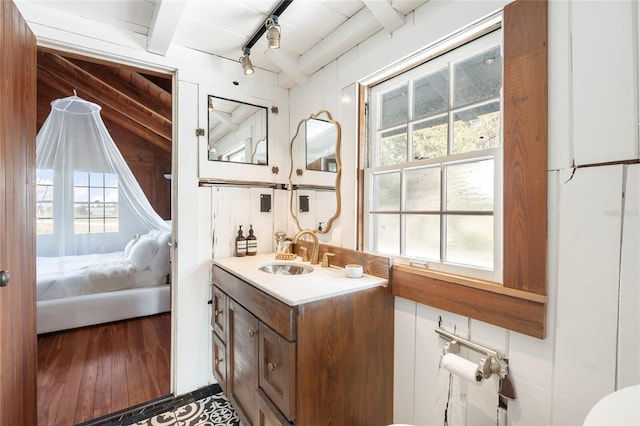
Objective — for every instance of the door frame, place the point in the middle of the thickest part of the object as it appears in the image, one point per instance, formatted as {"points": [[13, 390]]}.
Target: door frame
{"points": [[110, 59]]}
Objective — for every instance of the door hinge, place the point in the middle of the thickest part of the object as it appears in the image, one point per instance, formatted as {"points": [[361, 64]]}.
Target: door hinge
{"points": [[199, 132]]}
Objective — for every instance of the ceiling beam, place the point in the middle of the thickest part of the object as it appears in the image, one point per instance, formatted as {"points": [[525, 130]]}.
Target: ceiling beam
{"points": [[288, 65], [390, 18], [132, 84], [164, 23]]}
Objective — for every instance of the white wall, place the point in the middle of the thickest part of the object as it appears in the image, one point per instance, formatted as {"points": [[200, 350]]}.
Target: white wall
{"points": [[592, 346]]}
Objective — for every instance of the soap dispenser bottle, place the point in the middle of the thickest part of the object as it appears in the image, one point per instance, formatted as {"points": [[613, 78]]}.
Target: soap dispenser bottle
{"points": [[241, 244], [252, 243]]}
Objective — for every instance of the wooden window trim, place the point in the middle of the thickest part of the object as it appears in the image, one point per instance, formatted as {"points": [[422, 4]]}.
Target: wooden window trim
{"points": [[519, 304]]}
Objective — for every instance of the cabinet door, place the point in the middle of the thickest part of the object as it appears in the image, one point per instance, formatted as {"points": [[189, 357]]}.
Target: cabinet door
{"points": [[277, 370], [219, 313], [268, 414], [220, 362], [242, 347]]}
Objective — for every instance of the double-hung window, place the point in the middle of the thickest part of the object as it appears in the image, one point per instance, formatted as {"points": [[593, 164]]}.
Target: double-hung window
{"points": [[433, 184], [95, 202]]}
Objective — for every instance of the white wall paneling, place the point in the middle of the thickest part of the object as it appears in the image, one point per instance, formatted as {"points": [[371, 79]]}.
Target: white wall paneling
{"points": [[588, 275], [437, 392], [629, 320], [234, 206], [191, 286], [560, 150], [262, 221], [347, 115], [223, 222], [280, 209], [604, 80], [205, 248], [404, 360]]}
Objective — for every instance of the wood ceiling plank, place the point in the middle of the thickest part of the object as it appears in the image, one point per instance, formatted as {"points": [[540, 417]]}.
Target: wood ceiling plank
{"points": [[130, 108]]}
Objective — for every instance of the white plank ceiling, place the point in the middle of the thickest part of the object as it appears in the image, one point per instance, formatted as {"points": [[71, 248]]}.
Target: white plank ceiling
{"points": [[314, 32]]}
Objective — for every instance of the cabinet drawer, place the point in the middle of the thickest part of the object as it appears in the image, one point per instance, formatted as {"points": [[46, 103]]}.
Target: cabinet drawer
{"points": [[219, 313], [219, 362], [277, 370], [268, 414]]}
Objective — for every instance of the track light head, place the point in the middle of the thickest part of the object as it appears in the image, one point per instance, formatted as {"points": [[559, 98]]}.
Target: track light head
{"points": [[244, 60], [273, 32]]}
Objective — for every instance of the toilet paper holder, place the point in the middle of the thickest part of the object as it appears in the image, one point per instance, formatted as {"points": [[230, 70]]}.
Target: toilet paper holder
{"points": [[492, 363]]}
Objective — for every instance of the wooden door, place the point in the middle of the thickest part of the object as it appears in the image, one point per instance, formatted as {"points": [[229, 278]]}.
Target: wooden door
{"points": [[18, 357]]}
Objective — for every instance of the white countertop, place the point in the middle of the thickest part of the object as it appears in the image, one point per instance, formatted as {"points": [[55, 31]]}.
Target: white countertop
{"points": [[296, 289]]}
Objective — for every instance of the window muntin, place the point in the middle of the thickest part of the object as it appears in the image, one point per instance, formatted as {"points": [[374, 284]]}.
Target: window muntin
{"points": [[95, 202], [44, 202], [434, 173]]}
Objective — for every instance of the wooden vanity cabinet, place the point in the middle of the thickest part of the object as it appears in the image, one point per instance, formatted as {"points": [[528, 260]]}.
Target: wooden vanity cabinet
{"points": [[319, 363]]}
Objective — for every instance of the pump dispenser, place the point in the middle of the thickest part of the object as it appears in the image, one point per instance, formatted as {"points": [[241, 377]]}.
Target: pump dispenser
{"points": [[241, 244], [252, 243]]}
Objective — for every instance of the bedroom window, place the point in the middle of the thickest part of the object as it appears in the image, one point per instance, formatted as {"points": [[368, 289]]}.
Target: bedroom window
{"points": [[435, 165], [95, 202], [44, 202]]}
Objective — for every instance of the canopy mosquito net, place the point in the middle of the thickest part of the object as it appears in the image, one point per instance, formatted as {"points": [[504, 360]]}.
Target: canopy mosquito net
{"points": [[88, 200]]}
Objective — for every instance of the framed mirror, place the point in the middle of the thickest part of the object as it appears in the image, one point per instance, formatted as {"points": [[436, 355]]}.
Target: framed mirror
{"points": [[237, 132], [321, 136]]}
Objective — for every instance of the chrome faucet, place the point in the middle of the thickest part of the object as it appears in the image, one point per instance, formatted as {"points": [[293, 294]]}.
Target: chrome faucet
{"points": [[314, 237]]}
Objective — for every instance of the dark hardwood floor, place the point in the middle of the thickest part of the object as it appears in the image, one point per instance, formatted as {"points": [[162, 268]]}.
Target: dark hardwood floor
{"points": [[93, 371]]}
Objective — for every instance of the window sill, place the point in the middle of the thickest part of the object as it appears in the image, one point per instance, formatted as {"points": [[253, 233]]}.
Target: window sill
{"points": [[486, 301]]}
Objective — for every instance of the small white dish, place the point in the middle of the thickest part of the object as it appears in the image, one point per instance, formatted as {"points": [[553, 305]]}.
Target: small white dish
{"points": [[353, 271]]}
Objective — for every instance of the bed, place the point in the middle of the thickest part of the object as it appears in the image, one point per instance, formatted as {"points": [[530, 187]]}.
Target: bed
{"points": [[77, 291]]}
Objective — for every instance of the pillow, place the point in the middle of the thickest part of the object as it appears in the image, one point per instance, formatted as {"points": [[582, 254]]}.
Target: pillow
{"points": [[160, 264], [129, 246], [142, 252]]}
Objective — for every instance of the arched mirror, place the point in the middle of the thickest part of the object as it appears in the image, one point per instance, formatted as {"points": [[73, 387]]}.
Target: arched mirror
{"points": [[237, 131], [320, 135]]}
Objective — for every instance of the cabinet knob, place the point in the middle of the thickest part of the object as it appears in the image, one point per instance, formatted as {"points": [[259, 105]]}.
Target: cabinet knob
{"points": [[271, 366], [218, 361], [4, 278], [217, 312], [252, 332]]}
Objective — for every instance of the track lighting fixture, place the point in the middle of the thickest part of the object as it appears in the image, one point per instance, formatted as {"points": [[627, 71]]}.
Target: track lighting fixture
{"points": [[272, 29], [247, 66], [273, 32]]}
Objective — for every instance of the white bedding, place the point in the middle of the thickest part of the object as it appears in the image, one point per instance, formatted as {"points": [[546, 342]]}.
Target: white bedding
{"points": [[92, 273]]}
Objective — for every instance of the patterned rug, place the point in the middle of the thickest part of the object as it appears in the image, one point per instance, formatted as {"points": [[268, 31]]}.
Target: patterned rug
{"points": [[214, 410], [207, 406]]}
